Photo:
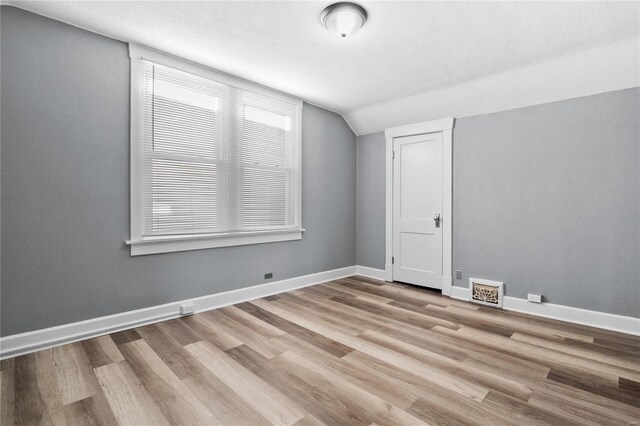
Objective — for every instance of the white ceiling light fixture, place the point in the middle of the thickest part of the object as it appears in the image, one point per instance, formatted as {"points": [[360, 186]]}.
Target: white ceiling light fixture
{"points": [[343, 19]]}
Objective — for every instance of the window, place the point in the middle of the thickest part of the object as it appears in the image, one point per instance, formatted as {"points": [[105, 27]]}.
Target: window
{"points": [[215, 161]]}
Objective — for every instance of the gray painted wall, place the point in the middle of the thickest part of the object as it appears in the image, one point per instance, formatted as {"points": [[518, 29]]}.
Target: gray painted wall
{"points": [[546, 199], [370, 207], [65, 190]]}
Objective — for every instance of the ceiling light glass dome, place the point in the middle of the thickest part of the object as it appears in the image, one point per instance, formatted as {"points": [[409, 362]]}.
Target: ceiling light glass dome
{"points": [[343, 19]]}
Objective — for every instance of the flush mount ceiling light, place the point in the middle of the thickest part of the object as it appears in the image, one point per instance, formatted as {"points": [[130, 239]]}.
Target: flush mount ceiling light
{"points": [[343, 19]]}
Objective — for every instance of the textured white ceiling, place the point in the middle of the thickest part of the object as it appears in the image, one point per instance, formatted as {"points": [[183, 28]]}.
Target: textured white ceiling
{"points": [[405, 47]]}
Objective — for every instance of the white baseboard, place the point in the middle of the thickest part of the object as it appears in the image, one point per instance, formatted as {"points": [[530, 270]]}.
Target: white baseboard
{"points": [[460, 293], [376, 274], [20, 344], [620, 323], [388, 272]]}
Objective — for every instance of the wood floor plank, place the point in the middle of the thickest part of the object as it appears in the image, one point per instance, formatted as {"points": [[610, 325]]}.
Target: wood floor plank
{"points": [[180, 362], [431, 297], [125, 336], [559, 394], [618, 350], [349, 401], [179, 332], [518, 324], [364, 279], [399, 314], [411, 294], [595, 384], [351, 322], [381, 291], [588, 378], [7, 364], [503, 365], [365, 320], [77, 380], [524, 412], [435, 403], [459, 370], [549, 357], [272, 298], [439, 413], [169, 349], [470, 321], [174, 399], [400, 360], [439, 399], [228, 408], [629, 344], [91, 411], [354, 351], [101, 351], [352, 291], [318, 340], [630, 366], [376, 385], [427, 340], [254, 323], [594, 333], [161, 343], [128, 399], [258, 393], [37, 390], [207, 330], [309, 420], [480, 356], [246, 335], [319, 313], [313, 399], [359, 406], [394, 416], [341, 371], [629, 386], [7, 396], [573, 412]]}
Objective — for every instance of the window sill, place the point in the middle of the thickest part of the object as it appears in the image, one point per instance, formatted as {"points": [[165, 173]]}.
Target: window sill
{"points": [[170, 244]]}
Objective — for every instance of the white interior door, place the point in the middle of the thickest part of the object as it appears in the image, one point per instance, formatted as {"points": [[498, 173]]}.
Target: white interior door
{"points": [[417, 207]]}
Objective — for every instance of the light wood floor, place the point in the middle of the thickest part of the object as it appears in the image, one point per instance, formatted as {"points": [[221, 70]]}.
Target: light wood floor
{"points": [[352, 351]]}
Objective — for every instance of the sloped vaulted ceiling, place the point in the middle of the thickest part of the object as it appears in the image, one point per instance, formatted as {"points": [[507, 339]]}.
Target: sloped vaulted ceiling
{"points": [[413, 61]]}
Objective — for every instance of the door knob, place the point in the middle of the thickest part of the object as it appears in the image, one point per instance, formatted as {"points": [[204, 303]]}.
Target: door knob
{"points": [[436, 218]]}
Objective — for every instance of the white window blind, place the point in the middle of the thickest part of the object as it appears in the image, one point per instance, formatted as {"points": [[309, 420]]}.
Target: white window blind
{"points": [[264, 163], [211, 158], [183, 170]]}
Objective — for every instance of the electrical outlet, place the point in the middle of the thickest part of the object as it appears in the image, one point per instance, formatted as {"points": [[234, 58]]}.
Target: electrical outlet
{"points": [[534, 298], [268, 276], [187, 308], [458, 274]]}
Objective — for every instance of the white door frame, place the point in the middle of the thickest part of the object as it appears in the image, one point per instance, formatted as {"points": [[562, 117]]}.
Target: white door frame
{"points": [[444, 126]]}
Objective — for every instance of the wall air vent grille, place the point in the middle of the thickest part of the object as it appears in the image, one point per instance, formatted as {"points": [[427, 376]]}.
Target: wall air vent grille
{"points": [[486, 292]]}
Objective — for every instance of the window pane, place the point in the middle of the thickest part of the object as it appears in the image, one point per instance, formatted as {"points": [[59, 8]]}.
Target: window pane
{"points": [[263, 144], [184, 197], [183, 129], [264, 198], [186, 114]]}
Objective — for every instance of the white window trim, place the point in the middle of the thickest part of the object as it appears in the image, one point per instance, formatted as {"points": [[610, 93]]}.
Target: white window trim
{"points": [[152, 55], [153, 245], [165, 244]]}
